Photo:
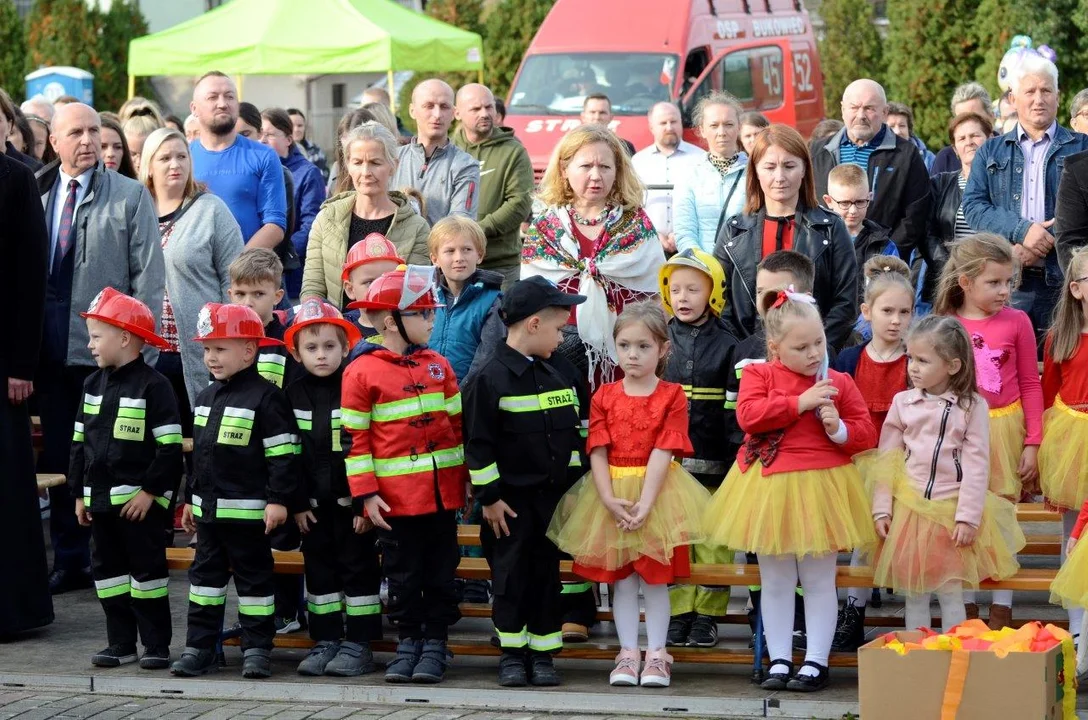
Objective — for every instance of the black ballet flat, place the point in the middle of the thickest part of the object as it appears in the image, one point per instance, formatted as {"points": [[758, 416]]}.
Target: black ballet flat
{"points": [[810, 683], [778, 680]]}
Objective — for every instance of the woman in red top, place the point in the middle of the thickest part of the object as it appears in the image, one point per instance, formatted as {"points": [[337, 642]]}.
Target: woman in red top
{"points": [[629, 518], [794, 497], [594, 239]]}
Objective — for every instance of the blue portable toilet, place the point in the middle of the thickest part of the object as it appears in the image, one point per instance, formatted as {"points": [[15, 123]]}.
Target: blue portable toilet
{"points": [[52, 82]]}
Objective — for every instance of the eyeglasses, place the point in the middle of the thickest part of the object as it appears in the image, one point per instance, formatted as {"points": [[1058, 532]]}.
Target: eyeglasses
{"points": [[272, 134], [845, 205], [425, 314]]}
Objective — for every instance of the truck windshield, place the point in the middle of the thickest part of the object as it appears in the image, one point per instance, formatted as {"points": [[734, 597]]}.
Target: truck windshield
{"points": [[558, 84]]}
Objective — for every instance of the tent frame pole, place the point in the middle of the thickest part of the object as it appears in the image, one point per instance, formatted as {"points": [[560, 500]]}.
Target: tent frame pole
{"points": [[392, 90], [241, 86], [131, 86]]}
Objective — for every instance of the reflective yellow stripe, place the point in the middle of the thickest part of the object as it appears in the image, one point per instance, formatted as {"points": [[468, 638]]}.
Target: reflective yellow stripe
{"points": [[575, 459], [513, 640], [534, 403], [354, 419], [453, 405], [359, 464], [391, 467], [409, 407], [484, 476], [546, 643]]}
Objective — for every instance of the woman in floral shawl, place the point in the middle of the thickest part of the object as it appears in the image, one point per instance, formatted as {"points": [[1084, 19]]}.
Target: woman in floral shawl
{"points": [[595, 240]]}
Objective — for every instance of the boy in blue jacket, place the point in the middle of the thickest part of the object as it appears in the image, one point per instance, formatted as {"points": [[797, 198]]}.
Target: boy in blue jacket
{"points": [[468, 329]]}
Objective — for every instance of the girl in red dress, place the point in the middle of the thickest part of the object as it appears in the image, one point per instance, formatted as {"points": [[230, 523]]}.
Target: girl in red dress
{"points": [[879, 368], [626, 522], [794, 496]]}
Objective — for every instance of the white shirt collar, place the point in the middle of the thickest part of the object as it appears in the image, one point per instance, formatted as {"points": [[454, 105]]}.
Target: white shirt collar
{"points": [[83, 179]]}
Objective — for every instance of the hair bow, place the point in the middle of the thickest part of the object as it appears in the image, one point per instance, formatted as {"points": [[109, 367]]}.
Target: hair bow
{"points": [[790, 294]]}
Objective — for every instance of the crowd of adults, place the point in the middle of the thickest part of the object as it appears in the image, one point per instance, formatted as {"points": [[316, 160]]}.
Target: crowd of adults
{"points": [[158, 207]]}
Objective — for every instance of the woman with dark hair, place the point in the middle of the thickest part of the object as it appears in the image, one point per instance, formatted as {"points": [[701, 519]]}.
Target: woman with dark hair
{"points": [[173, 121], [781, 213], [340, 181], [7, 124], [115, 154], [277, 132], [751, 125], [967, 132]]}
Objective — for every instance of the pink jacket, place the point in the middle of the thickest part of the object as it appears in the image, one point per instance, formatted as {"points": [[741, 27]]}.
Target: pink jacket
{"points": [[948, 450]]}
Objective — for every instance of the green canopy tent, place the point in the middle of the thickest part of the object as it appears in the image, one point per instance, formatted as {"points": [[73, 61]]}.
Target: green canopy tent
{"points": [[292, 37]]}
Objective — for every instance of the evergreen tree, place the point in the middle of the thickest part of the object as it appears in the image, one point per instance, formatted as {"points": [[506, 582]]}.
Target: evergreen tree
{"points": [[62, 32], [931, 50], [850, 49], [509, 29], [12, 49], [117, 27], [465, 14]]}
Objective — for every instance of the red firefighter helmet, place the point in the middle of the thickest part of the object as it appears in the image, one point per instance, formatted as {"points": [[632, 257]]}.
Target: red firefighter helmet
{"points": [[372, 248], [409, 287], [115, 308], [231, 322], [314, 312]]}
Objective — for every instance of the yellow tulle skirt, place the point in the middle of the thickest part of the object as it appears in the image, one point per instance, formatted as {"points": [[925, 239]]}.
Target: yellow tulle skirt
{"points": [[1007, 435], [919, 555], [810, 512], [586, 530], [1063, 456], [1070, 586]]}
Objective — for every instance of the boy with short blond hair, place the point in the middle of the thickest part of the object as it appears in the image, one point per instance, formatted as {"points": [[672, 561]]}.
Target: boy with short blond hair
{"points": [[848, 196], [125, 465], [243, 486], [468, 328], [256, 281]]}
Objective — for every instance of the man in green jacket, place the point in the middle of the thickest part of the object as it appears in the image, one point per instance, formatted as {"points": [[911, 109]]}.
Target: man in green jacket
{"points": [[506, 178]]}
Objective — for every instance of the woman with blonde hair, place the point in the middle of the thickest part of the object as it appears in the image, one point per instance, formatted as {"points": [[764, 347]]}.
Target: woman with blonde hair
{"points": [[593, 239], [370, 159], [781, 213], [200, 239], [136, 106]]}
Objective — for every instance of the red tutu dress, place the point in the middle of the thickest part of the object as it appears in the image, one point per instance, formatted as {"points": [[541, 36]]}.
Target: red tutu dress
{"points": [[631, 428]]}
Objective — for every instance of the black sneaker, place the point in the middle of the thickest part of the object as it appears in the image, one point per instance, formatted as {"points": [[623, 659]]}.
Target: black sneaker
{"points": [[194, 663], [114, 656], [512, 672], [704, 632], [257, 664], [433, 661], [680, 629], [400, 669], [285, 626], [477, 591], [542, 671], [850, 628], [155, 658]]}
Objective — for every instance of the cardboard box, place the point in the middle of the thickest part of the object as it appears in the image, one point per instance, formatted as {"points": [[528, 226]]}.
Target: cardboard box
{"points": [[1020, 686]]}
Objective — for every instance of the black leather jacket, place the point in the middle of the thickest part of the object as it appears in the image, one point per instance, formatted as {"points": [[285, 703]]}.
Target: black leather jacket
{"points": [[941, 229], [818, 234]]}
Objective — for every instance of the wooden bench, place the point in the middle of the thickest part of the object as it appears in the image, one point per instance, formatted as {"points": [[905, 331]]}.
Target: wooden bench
{"points": [[1036, 512], [48, 480], [477, 569]]}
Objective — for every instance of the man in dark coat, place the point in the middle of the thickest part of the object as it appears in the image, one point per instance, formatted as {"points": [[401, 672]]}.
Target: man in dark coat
{"points": [[25, 602]]}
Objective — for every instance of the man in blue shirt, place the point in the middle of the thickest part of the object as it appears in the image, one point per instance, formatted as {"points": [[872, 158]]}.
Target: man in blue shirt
{"points": [[245, 174]]}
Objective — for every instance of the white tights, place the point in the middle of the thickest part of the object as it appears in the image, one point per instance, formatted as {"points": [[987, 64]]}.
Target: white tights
{"points": [[779, 575], [950, 598], [625, 612], [1076, 613]]}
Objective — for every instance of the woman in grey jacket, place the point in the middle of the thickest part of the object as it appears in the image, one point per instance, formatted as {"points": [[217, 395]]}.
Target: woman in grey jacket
{"points": [[200, 239]]}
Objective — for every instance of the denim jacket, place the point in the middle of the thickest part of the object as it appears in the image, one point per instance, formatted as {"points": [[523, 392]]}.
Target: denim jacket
{"points": [[992, 199]]}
